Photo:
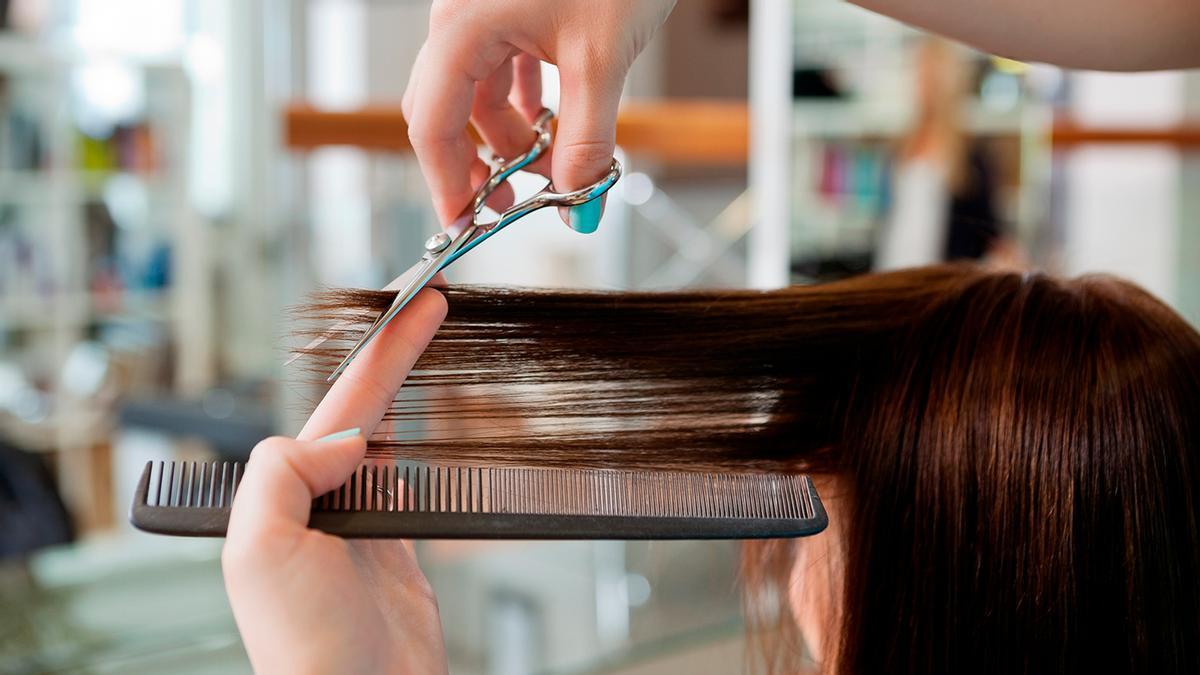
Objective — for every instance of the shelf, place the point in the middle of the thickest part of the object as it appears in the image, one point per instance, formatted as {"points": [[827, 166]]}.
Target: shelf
{"points": [[1068, 134], [51, 240]]}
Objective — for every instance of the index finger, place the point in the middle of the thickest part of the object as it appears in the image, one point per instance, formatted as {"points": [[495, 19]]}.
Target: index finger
{"points": [[364, 392], [438, 109], [283, 476]]}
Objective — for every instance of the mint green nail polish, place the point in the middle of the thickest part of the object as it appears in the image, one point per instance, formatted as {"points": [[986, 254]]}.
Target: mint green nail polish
{"points": [[340, 435]]}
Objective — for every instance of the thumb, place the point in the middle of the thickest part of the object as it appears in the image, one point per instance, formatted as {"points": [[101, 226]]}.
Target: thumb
{"points": [[284, 475], [587, 124]]}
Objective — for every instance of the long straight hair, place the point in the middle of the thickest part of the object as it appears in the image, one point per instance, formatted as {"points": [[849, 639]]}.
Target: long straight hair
{"points": [[1019, 453]]}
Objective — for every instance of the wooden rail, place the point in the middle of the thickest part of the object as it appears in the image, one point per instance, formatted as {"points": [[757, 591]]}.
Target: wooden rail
{"points": [[688, 132], [1068, 134], [711, 133]]}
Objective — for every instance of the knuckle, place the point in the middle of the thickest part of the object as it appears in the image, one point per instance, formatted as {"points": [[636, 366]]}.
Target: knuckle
{"points": [[374, 388], [596, 61], [271, 446], [418, 134], [580, 159], [423, 135]]}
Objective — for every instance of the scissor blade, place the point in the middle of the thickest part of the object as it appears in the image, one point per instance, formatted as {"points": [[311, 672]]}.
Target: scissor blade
{"points": [[410, 290], [393, 285], [429, 267]]}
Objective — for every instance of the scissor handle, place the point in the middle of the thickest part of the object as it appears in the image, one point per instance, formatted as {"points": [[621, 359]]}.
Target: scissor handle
{"points": [[504, 169], [466, 232], [546, 197]]}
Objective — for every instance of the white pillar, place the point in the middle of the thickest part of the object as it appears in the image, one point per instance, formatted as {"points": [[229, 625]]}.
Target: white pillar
{"points": [[771, 65], [1123, 203]]}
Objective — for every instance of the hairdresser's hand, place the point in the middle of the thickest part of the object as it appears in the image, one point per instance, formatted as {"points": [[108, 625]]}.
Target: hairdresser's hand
{"points": [[309, 602], [480, 63]]}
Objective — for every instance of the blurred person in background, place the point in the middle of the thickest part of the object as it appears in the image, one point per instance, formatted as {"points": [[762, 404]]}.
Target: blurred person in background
{"points": [[943, 182]]}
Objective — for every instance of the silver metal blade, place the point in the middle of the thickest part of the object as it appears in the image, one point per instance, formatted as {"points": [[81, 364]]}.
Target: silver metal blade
{"points": [[432, 263], [394, 285]]}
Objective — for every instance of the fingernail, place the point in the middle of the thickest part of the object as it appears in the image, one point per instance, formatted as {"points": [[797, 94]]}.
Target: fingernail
{"points": [[585, 218], [339, 435]]}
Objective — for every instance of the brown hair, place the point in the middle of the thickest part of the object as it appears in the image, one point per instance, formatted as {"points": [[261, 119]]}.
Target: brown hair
{"points": [[1018, 453]]}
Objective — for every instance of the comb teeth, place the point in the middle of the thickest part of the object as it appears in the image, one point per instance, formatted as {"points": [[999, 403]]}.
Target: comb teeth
{"points": [[575, 492], [190, 484], [389, 500]]}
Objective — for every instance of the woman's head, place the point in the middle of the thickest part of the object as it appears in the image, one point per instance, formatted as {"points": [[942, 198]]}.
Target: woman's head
{"points": [[1008, 459], [1020, 483]]}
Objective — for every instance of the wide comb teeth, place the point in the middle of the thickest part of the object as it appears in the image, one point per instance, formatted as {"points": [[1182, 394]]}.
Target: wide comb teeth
{"points": [[189, 484], [392, 501]]}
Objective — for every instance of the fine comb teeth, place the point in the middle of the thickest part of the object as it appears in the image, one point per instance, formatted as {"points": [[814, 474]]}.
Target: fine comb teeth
{"points": [[393, 501]]}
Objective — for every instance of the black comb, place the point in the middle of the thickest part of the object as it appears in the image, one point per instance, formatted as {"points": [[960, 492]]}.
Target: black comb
{"points": [[458, 502]]}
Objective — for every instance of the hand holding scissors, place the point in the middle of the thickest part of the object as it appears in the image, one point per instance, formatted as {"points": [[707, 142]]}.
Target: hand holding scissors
{"points": [[467, 231]]}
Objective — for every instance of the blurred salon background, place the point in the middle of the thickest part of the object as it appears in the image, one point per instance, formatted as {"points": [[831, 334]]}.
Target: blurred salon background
{"points": [[175, 174]]}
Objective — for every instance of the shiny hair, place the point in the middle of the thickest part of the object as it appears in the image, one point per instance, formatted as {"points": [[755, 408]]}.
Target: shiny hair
{"points": [[1018, 453]]}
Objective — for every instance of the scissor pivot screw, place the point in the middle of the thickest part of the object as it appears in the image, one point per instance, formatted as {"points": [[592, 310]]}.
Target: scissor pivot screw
{"points": [[437, 243]]}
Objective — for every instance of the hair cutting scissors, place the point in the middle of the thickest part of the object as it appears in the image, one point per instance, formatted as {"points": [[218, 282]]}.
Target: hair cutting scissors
{"points": [[466, 232]]}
